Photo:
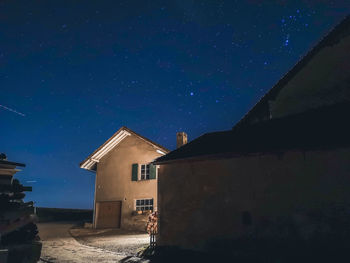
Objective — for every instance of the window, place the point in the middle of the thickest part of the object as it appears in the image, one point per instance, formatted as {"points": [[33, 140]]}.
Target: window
{"points": [[144, 204], [144, 172]]}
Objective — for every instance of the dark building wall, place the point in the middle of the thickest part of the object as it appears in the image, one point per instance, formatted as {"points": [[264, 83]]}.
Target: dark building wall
{"points": [[218, 199]]}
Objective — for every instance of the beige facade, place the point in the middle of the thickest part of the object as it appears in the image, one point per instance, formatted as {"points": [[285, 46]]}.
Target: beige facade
{"points": [[116, 188], [274, 190]]}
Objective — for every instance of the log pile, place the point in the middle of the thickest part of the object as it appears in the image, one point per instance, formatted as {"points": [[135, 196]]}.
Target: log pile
{"points": [[17, 218]]}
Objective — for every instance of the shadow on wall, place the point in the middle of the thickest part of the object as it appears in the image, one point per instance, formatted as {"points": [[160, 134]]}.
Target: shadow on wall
{"points": [[62, 214], [313, 236], [322, 235]]}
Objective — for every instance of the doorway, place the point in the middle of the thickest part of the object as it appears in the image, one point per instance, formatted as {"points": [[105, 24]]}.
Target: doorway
{"points": [[108, 214]]}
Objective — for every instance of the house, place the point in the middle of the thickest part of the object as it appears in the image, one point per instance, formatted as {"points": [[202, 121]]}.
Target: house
{"points": [[282, 173], [126, 181]]}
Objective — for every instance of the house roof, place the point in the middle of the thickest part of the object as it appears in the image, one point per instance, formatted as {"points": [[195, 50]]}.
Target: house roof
{"points": [[321, 128], [312, 129], [90, 162], [329, 40]]}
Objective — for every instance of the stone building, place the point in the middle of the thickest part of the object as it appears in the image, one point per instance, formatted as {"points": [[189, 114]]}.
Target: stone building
{"points": [[126, 181], [282, 172]]}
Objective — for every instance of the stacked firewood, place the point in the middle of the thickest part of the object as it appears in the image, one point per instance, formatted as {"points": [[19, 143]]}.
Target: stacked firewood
{"points": [[17, 218]]}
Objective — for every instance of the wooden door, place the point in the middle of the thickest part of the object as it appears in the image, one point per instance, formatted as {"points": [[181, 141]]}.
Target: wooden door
{"points": [[108, 214]]}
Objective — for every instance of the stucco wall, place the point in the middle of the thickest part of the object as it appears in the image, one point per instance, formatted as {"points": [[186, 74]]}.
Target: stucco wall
{"points": [[204, 200], [113, 179]]}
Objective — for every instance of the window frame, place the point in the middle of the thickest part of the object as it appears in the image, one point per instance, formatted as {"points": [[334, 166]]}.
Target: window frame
{"points": [[150, 205], [146, 172]]}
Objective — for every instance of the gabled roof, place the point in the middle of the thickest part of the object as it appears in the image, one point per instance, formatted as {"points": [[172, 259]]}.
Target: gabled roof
{"points": [[317, 129], [90, 162], [329, 40]]}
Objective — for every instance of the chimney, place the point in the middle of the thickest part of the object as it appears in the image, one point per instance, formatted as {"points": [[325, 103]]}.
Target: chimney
{"points": [[181, 139]]}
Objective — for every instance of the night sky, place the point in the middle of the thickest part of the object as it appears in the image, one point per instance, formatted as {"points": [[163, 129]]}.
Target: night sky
{"points": [[73, 72]]}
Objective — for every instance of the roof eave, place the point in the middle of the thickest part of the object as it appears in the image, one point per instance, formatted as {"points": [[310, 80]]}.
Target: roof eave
{"points": [[229, 155], [113, 141]]}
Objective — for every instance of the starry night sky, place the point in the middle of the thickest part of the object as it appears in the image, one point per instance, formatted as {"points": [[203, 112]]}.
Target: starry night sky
{"points": [[73, 72]]}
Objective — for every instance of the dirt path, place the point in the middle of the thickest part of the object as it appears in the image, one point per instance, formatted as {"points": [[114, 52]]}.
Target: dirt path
{"points": [[60, 246]]}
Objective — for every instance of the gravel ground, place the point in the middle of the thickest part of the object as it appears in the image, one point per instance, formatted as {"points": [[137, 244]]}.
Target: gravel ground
{"points": [[115, 240], [93, 246]]}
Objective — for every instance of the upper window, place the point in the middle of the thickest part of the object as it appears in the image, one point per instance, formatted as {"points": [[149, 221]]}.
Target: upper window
{"points": [[144, 172]]}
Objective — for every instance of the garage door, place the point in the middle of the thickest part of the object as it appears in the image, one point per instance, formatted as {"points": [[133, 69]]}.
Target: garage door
{"points": [[108, 214]]}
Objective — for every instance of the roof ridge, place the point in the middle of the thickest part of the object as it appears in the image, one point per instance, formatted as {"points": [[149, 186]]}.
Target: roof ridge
{"points": [[111, 143], [143, 137]]}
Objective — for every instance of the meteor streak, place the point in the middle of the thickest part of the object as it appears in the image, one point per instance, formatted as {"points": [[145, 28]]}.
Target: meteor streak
{"points": [[12, 110]]}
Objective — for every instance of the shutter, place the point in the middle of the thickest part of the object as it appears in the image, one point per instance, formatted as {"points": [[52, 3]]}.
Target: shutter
{"points": [[152, 171], [135, 172]]}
